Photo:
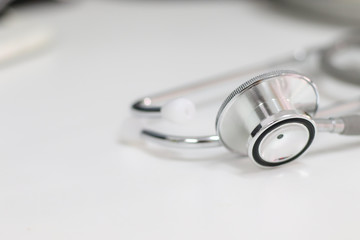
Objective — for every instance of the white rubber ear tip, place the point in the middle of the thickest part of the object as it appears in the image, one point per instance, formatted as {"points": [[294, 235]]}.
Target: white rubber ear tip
{"points": [[180, 110]]}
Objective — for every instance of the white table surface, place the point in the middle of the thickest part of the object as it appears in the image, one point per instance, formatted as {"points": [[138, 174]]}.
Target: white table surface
{"points": [[65, 175]]}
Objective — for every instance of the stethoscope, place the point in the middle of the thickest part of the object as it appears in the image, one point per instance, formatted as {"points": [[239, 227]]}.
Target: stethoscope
{"points": [[273, 118]]}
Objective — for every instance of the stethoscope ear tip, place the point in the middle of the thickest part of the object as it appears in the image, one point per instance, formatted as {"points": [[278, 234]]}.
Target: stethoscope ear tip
{"points": [[180, 110]]}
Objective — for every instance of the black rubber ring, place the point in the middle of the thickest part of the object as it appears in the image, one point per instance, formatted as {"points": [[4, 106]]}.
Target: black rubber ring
{"points": [[255, 151]]}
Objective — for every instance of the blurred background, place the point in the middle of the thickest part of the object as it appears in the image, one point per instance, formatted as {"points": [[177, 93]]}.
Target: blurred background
{"points": [[69, 71]]}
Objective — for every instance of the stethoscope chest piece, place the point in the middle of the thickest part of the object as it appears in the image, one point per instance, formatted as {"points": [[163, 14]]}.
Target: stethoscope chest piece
{"points": [[269, 118]]}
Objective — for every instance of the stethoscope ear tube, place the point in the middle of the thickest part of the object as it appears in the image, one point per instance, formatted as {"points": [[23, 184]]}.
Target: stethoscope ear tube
{"points": [[351, 125], [330, 58]]}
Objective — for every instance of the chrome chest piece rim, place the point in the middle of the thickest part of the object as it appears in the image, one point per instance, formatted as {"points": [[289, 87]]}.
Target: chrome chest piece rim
{"points": [[269, 118]]}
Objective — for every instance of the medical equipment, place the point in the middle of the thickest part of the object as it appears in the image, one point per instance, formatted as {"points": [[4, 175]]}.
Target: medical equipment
{"points": [[272, 118]]}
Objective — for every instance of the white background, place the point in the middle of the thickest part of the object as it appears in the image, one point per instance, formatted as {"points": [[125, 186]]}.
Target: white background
{"points": [[64, 174]]}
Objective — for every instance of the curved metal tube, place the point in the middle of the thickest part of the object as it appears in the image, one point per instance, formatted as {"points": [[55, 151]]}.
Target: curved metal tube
{"points": [[327, 59], [150, 105], [183, 141], [331, 125]]}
